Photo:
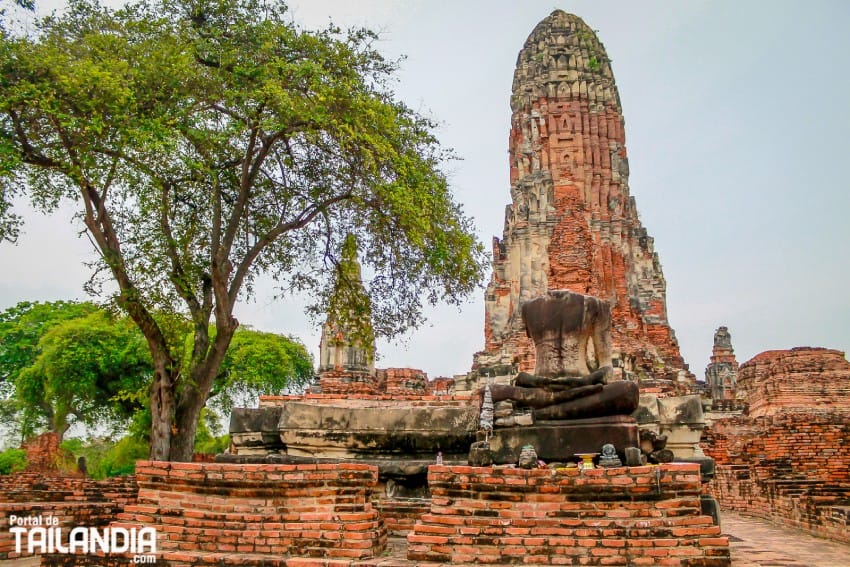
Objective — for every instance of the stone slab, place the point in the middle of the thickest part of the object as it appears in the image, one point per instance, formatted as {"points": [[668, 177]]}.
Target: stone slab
{"points": [[560, 441], [396, 429]]}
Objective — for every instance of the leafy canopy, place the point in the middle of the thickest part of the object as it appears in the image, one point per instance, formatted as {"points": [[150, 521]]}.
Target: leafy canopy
{"points": [[66, 362], [207, 142], [209, 121]]}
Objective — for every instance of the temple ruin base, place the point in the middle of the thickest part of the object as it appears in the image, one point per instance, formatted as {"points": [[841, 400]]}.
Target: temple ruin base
{"points": [[622, 516], [559, 441]]}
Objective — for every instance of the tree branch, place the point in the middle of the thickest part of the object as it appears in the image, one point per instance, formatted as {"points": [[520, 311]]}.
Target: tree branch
{"points": [[30, 155], [303, 219]]}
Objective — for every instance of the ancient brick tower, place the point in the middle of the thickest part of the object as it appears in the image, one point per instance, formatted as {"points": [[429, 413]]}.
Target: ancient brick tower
{"points": [[572, 223], [721, 374]]}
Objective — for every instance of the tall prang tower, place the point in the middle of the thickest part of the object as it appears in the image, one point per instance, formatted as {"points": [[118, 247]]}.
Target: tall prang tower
{"points": [[572, 223]]}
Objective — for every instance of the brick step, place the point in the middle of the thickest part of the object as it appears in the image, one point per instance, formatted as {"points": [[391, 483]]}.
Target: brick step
{"points": [[240, 522], [252, 560]]}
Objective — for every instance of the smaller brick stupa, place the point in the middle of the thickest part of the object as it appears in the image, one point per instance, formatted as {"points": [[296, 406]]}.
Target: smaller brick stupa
{"points": [[347, 347], [721, 374]]}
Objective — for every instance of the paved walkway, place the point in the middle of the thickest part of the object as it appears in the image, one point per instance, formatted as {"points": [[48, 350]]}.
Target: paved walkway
{"points": [[758, 543]]}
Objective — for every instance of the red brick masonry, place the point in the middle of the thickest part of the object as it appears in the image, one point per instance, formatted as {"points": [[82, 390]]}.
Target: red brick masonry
{"points": [[793, 469], [73, 501], [801, 379], [621, 516], [208, 512], [788, 459]]}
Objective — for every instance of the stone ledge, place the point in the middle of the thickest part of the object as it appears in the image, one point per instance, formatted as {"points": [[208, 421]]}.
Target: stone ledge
{"points": [[560, 441]]}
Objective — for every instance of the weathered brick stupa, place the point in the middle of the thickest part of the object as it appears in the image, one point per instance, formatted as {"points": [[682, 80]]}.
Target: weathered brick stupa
{"points": [[721, 374], [572, 224]]}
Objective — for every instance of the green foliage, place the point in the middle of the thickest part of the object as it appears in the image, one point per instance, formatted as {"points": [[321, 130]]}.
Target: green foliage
{"points": [[208, 142], [121, 459], [64, 361], [260, 363], [105, 458], [12, 460], [90, 368], [22, 326], [205, 440], [165, 109], [21, 329]]}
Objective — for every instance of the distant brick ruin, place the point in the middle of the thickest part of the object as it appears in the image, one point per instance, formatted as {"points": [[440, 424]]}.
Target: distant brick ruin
{"points": [[800, 379], [721, 374], [572, 223], [788, 458]]}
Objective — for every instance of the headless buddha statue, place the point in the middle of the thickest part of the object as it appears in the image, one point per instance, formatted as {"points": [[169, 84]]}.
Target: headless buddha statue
{"points": [[569, 382]]}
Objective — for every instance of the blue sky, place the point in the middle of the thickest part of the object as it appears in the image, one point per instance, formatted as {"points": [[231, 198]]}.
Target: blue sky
{"points": [[738, 132]]}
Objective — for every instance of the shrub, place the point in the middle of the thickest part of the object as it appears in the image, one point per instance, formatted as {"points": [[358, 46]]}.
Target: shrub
{"points": [[12, 460]]}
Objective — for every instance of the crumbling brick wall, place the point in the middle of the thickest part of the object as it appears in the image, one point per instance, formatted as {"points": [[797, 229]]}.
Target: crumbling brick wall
{"points": [[799, 379], [603, 516], [791, 468], [788, 458], [216, 513], [73, 501]]}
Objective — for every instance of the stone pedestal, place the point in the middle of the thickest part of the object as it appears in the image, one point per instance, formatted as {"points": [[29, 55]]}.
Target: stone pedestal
{"points": [[559, 441], [680, 418]]}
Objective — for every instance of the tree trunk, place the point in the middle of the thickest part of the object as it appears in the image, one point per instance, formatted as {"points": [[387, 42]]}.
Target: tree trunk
{"points": [[186, 425], [162, 410], [193, 395]]}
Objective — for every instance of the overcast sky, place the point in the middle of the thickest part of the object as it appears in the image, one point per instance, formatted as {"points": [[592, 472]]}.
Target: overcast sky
{"points": [[738, 132]]}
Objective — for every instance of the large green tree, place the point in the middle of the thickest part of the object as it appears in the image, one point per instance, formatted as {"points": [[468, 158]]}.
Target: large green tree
{"points": [[88, 371], [67, 362], [209, 141], [64, 361]]}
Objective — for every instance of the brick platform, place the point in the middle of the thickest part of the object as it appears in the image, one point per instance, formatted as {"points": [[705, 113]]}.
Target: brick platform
{"points": [[212, 513], [73, 501], [622, 516]]}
